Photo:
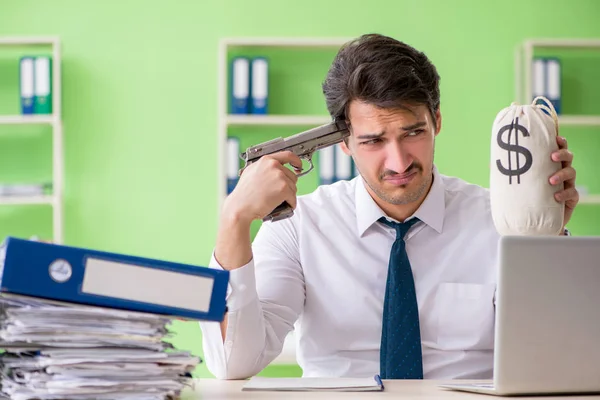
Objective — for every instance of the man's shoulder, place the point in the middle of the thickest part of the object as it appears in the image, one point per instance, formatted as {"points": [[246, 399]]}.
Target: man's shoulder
{"points": [[459, 191], [324, 194]]}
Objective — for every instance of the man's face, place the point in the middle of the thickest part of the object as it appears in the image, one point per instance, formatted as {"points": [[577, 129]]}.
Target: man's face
{"points": [[393, 150]]}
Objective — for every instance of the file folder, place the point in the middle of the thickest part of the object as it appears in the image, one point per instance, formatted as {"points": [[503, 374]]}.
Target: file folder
{"points": [[96, 278], [343, 165], [538, 76], [553, 85], [26, 84], [233, 162], [326, 165], [260, 85], [240, 85], [43, 85]]}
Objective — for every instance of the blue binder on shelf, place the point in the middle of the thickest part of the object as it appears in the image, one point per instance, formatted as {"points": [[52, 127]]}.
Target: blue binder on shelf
{"points": [[240, 85], [27, 84], [259, 85], [546, 80], [553, 83], [343, 165], [326, 165], [95, 278], [233, 162]]}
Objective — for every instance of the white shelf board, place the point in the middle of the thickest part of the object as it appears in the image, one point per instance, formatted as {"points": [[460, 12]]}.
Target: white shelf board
{"points": [[280, 120], [590, 199], [26, 200], [28, 41], [285, 42], [579, 120], [574, 43], [27, 119]]}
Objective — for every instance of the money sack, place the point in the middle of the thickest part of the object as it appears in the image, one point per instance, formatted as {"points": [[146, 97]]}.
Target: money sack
{"points": [[521, 196]]}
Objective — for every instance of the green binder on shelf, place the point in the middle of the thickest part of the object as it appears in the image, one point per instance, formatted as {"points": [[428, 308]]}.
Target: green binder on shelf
{"points": [[43, 85]]}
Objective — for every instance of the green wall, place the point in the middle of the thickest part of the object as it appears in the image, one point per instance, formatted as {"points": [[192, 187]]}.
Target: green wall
{"points": [[140, 112]]}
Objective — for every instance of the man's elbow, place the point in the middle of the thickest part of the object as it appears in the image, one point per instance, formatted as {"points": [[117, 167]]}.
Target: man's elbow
{"points": [[232, 372]]}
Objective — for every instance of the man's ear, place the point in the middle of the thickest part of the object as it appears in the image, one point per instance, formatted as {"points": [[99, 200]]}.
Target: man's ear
{"points": [[345, 148], [438, 120]]}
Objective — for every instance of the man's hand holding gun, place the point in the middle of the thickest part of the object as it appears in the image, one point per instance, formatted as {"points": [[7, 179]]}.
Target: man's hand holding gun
{"points": [[267, 189]]}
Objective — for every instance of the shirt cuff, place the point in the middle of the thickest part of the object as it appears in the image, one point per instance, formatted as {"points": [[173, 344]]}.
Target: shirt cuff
{"points": [[241, 289]]}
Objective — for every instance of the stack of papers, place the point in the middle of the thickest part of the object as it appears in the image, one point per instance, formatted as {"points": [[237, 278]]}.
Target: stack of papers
{"points": [[65, 351]]}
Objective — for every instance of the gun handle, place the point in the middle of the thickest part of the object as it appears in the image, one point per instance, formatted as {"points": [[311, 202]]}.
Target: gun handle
{"points": [[282, 211]]}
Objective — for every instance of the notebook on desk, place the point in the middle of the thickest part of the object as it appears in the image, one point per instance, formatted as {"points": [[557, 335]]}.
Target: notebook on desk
{"points": [[258, 383], [547, 319]]}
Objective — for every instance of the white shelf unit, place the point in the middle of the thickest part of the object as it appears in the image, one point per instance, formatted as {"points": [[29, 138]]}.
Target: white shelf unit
{"points": [[524, 54], [54, 120], [226, 120]]}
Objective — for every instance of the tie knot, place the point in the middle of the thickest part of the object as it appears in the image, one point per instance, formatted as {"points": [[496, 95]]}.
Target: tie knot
{"points": [[400, 227]]}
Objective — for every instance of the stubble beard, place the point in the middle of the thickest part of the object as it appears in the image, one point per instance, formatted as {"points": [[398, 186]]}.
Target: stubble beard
{"points": [[403, 198]]}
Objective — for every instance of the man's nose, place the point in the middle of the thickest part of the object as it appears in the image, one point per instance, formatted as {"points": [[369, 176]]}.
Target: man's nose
{"points": [[397, 158]]}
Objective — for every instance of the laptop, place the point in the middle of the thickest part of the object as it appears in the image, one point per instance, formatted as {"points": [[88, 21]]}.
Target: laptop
{"points": [[547, 331]]}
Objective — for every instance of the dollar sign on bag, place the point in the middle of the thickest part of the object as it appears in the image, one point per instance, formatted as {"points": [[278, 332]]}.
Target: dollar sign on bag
{"points": [[517, 170]]}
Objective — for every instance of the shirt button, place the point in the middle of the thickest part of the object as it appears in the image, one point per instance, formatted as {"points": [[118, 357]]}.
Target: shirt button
{"points": [[229, 344]]}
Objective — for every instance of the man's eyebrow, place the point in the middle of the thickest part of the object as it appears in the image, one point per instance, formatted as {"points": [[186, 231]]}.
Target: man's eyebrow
{"points": [[414, 126], [371, 136]]}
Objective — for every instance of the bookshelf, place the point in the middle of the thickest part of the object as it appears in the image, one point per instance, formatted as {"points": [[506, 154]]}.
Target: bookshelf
{"points": [[228, 121], [55, 200], [524, 56]]}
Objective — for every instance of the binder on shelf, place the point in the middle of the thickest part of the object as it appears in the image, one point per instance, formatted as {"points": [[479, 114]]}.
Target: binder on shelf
{"points": [[538, 76], [240, 85], [96, 278], [259, 85], [26, 84], [233, 162], [326, 165], [553, 88], [343, 165], [546, 80], [43, 85]]}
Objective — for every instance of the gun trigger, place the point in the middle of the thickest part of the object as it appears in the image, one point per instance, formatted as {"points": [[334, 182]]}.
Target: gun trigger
{"points": [[309, 159]]}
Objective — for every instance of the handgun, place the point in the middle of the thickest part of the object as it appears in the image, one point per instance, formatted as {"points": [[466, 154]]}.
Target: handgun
{"points": [[304, 145]]}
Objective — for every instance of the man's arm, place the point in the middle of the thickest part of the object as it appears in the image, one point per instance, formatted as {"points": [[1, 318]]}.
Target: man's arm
{"points": [[266, 298], [258, 318]]}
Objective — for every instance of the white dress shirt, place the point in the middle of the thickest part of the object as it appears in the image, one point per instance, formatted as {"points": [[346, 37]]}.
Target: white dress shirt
{"points": [[323, 273]]}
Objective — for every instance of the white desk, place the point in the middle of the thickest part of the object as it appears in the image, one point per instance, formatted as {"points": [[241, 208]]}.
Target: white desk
{"points": [[212, 389]]}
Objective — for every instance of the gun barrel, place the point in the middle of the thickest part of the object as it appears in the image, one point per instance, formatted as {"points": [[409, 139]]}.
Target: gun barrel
{"points": [[301, 143]]}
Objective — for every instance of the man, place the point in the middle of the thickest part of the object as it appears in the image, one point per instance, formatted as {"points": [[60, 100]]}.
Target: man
{"points": [[325, 271]]}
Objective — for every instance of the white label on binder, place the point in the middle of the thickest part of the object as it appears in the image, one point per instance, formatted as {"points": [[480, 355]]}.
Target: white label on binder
{"points": [[259, 78], [241, 78], [553, 69], [326, 163], [539, 78], [42, 76], [27, 77], [343, 164], [233, 160], [148, 285]]}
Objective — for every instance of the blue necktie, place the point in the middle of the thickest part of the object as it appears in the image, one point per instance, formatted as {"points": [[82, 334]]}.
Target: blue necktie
{"points": [[400, 353]]}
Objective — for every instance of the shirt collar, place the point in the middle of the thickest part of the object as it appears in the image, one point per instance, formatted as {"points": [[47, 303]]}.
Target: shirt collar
{"points": [[431, 211]]}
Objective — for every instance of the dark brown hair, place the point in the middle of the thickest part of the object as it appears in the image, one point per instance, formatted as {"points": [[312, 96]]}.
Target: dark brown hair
{"points": [[381, 71]]}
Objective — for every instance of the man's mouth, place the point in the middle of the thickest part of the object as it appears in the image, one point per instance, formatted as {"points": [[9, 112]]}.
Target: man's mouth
{"points": [[401, 179]]}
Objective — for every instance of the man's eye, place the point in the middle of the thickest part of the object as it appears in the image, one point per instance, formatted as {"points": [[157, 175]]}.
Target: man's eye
{"points": [[372, 141], [417, 132]]}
